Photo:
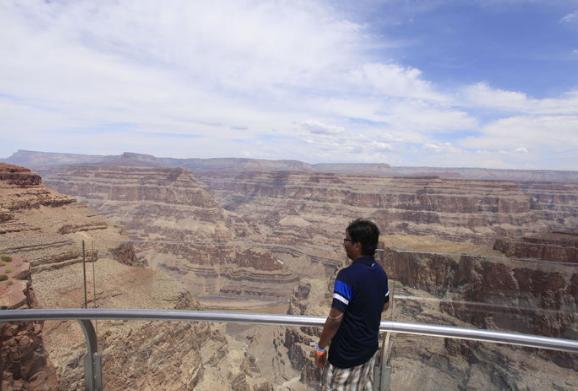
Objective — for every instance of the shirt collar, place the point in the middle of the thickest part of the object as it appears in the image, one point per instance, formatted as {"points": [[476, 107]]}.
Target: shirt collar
{"points": [[366, 260]]}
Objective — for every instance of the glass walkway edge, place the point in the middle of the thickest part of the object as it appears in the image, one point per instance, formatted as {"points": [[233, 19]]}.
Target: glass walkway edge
{"points": [[92, 364]]}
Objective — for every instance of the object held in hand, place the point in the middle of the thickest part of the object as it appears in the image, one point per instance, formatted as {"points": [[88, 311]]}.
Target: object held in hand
{"points": [[319, 351]]}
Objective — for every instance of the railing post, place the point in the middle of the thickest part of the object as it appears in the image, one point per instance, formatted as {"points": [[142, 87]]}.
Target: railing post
{"points": [[385, 369], [92, 359]]}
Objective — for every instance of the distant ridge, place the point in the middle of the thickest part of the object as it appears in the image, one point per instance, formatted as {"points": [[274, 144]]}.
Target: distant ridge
{"points": [[45, 160], [35, 159], [374, 169]]}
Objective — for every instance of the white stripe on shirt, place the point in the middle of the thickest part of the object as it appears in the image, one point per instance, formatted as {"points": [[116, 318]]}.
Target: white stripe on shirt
{"points": [[341, 298]]}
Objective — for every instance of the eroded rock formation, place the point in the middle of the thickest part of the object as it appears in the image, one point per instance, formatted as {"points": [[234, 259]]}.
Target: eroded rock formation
{"points": [[125, 253], [173, 220], [24, 363], [454, 209], [555, 247], [493, 292]]}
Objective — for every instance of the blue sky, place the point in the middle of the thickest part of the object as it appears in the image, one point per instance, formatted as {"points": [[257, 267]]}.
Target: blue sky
{"points": [[520, 46], [480, 83]]}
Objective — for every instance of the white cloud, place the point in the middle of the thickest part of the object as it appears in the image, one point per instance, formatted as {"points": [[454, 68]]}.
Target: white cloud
{"points": [[428, 118], [393, 80], [572, 17], [540, 131], [548, 141], [379, 146], [290, 79], [317, 127], [483, 96], [223, 71]]}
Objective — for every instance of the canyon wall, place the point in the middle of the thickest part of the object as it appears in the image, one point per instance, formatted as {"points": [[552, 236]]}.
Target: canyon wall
{"points": [[453, 209], [552, 247], [24, 363], [494, 292], [178, 226], [41, 265]]}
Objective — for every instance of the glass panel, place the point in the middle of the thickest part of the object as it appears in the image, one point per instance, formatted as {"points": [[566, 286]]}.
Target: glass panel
{"points": [[204, 356], [428, 363], [65, 344]]}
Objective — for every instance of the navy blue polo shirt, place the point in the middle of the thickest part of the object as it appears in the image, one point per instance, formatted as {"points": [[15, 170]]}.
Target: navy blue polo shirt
{"points": [[360, 292]]}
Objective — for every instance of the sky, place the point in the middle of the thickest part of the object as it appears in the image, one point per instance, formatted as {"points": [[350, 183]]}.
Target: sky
{"points": [[451, 83]]}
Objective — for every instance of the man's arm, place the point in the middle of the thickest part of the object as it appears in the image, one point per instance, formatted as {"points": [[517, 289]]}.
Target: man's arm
{"points": [[332, 324], [330, 327], [385, 306]]}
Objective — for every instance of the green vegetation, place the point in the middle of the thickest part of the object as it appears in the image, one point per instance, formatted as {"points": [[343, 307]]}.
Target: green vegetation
{"points": [[3, 277], [6, 258], [8, 270]]}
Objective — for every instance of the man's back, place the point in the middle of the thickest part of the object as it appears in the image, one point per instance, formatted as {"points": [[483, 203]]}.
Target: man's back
{"points": [[352, 326], [361, 291]]}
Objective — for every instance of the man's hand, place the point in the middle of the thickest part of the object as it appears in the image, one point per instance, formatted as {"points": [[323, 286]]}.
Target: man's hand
{"points": [[330, 328], [320, 359]]}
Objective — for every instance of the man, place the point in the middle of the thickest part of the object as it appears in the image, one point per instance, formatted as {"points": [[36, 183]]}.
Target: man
{"points": [[359, 297]]}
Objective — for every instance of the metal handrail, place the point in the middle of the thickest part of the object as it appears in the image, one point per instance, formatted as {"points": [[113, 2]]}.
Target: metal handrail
{"points": [[92, 364], [288, 320]]}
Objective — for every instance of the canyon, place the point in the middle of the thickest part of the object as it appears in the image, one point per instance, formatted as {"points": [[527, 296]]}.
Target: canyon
{"points": [[41, 248], [466, 247]]}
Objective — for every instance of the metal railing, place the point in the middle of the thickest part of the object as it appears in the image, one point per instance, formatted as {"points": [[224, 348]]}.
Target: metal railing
{"points": [[93, 368]]}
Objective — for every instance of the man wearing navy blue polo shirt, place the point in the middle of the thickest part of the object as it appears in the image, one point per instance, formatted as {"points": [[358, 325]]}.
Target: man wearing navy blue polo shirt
{"points": [[351, 329]]}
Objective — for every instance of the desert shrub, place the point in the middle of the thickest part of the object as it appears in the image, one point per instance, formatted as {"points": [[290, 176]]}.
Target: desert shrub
{"points": [[3, 277], [6, 258], [8, 270]]}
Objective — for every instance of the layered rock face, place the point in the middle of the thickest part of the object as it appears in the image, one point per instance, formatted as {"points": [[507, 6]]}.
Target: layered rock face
{"points": [[21, 189], [32, 241], [45, 252], [488, 292], [298, 341], [24, 363], [38, 224], [18, 176], [556, 247], [178, 226], [453, 209], [23, 358], [494, 292]]}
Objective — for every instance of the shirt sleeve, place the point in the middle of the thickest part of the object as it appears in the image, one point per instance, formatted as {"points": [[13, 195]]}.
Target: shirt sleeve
{"points": [[342, 292]]}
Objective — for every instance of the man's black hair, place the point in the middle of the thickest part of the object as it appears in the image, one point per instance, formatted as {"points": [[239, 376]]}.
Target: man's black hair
{"points": [[364, 232]]}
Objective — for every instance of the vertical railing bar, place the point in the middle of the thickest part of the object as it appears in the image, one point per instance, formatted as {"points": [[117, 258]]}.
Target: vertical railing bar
{"points": [[92, 361]]}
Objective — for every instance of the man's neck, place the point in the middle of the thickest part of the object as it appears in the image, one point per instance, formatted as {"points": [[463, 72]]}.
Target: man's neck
{"points": [[359, 258]]}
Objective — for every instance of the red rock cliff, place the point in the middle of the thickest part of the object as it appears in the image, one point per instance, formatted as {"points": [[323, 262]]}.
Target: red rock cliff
{"points": [[23, 360]]}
